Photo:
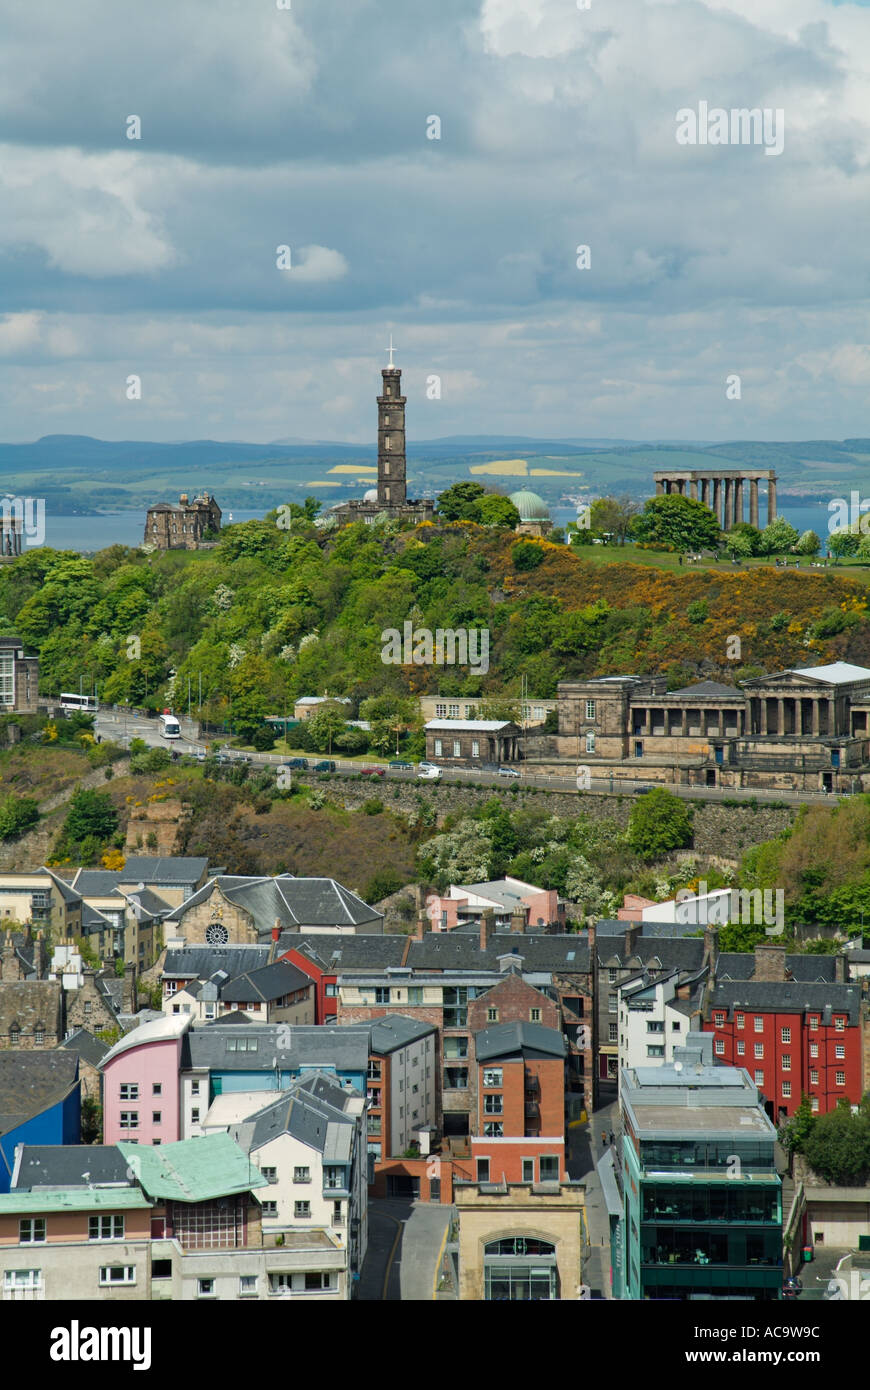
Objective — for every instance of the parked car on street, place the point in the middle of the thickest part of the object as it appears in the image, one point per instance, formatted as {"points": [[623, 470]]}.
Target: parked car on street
{"points": [[508, 772], [296, 762], [398, 762], [422, 767], [325, 765], [372, 771], [429, 774]]}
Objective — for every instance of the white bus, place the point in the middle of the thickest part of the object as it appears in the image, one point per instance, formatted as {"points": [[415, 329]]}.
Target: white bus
{"points": [[169, 726], [87, 703]]}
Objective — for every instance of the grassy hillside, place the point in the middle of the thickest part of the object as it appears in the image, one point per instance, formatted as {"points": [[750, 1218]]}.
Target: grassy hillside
{"points": [[270, 615]]}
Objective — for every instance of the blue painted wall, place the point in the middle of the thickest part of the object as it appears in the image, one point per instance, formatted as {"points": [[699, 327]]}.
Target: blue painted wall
{"points": [[59, 1124]]}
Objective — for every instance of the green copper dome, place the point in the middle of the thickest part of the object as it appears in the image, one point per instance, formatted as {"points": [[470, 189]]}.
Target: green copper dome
{"points": [[530, 506]]}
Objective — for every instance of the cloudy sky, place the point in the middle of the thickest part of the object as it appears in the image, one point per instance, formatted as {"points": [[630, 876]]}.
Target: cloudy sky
{"points": [[307, 127]]}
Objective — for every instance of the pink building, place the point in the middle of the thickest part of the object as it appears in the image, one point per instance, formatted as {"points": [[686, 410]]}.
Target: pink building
{"points": [[516, 906], [141, 1083]]}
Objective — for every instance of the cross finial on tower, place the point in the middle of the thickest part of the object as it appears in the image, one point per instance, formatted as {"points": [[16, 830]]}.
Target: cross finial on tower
{"points": [[391, 349]]}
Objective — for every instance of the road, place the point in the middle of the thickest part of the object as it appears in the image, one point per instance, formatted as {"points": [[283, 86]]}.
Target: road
{"points": [[121, 726], [405, 1243]]}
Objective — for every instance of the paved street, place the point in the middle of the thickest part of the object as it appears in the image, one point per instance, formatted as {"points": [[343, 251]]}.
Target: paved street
{"points": [[584, 1149], [121, 726], [405, 1243]]}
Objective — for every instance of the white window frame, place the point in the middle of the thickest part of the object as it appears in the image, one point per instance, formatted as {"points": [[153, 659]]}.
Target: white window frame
{"points": [[127, 1271]]}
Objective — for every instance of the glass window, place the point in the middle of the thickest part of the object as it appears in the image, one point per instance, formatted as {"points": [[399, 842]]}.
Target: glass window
{"points": [[785, 1035], [590, 709], [31, 1230], [129, 1091], [117, 1274], [492, 1076], [269, 1208], [301, 1209], [758, 1024], [590, 742], [106, 1227], [301, 1174], [205, 1288], [493, 1129]]}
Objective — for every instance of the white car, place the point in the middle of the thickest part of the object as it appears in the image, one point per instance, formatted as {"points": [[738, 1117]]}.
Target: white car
{"points": [[508, 772], [429, 774]]}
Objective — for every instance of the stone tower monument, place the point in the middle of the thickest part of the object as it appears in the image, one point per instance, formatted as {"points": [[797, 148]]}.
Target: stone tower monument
{"points": [[391, 438]]}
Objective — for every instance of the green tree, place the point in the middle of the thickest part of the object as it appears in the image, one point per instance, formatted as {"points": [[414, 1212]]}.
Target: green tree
{"points": [[326, 726], [838, 1145], [659, 822], [843, 544], [682, 522], [613, 516], [809, 544], [778, 538], [460, 502], [526, 556], [90, 813], [494, 510], [794, 1134], [17, 815]]}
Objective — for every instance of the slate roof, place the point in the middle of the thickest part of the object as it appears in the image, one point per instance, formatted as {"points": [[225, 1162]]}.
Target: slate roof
{"points": [[268, 983], [313, 1045], [740, 965], [96, 883], [649, 929], [508, 1039], [567, 953], [30, 1002], [148, 902], [397, 1030], [193, 1170], [234, 1016], [70, 1165], [790, 997], [86, 1046], [683, 953], [66, 891], [201, 962], [31, 1082], [703, 690], [483, 726], [296, 1112], [837, 673], [174, 869], [334, 951], [95, 920], [294, 903]]}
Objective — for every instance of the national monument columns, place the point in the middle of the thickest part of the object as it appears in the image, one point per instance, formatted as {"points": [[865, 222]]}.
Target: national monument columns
{"points": [[723, 492]]}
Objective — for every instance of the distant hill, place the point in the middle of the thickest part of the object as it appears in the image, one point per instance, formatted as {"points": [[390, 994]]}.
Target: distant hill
{"points": [[79, 474]]}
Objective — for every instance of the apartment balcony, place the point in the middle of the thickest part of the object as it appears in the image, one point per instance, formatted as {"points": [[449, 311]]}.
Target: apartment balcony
{"points": [[532, 1109], [533, 1086]]}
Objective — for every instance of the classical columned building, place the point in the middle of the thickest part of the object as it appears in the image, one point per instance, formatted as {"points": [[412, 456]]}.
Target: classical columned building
{"points": [[806, 729], [724, 492]]}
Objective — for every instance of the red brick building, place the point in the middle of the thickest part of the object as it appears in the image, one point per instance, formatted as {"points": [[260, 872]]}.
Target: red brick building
{"points": [[793, 1036], [325, 986], [519, 1132]]}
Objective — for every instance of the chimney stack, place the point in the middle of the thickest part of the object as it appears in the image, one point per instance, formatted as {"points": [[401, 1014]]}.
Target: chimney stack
{"points": [[518, 921], [276, 931], [711, 947], [631, 935], [487, 927], [840, 968], [129, 999], [770, 963]]}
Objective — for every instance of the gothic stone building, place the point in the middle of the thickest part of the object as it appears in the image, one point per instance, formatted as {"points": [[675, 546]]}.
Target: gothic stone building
{"points": [[182, 527], [801, 730], [391, 498]]}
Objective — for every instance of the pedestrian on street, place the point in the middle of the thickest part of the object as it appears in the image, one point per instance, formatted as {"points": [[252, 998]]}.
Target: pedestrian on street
{"points": [[611, 1136], [604, 1137]]}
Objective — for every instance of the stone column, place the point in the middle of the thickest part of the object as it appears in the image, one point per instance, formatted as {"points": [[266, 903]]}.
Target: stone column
{"points": [[693, 489], [832, 717], [681, 486], [771, 500], [738, 500], [780, 716], [647, 721], [815, 718], [728, 521], [753, 502], [684, 723], [660, 487], [717, 499], [764, 714]]}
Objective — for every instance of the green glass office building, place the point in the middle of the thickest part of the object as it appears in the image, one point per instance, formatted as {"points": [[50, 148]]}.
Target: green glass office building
{"points": [[702, 1197]]}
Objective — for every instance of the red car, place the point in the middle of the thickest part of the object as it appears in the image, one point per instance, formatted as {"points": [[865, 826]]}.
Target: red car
{"points": [[371, 771]]}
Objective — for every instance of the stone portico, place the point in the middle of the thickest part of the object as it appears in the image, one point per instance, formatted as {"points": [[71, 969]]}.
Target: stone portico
{"points": [[802, 730]]}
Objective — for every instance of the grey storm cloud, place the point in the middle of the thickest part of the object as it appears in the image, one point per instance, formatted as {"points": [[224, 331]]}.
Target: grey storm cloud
{"points": [[306, 127]]}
